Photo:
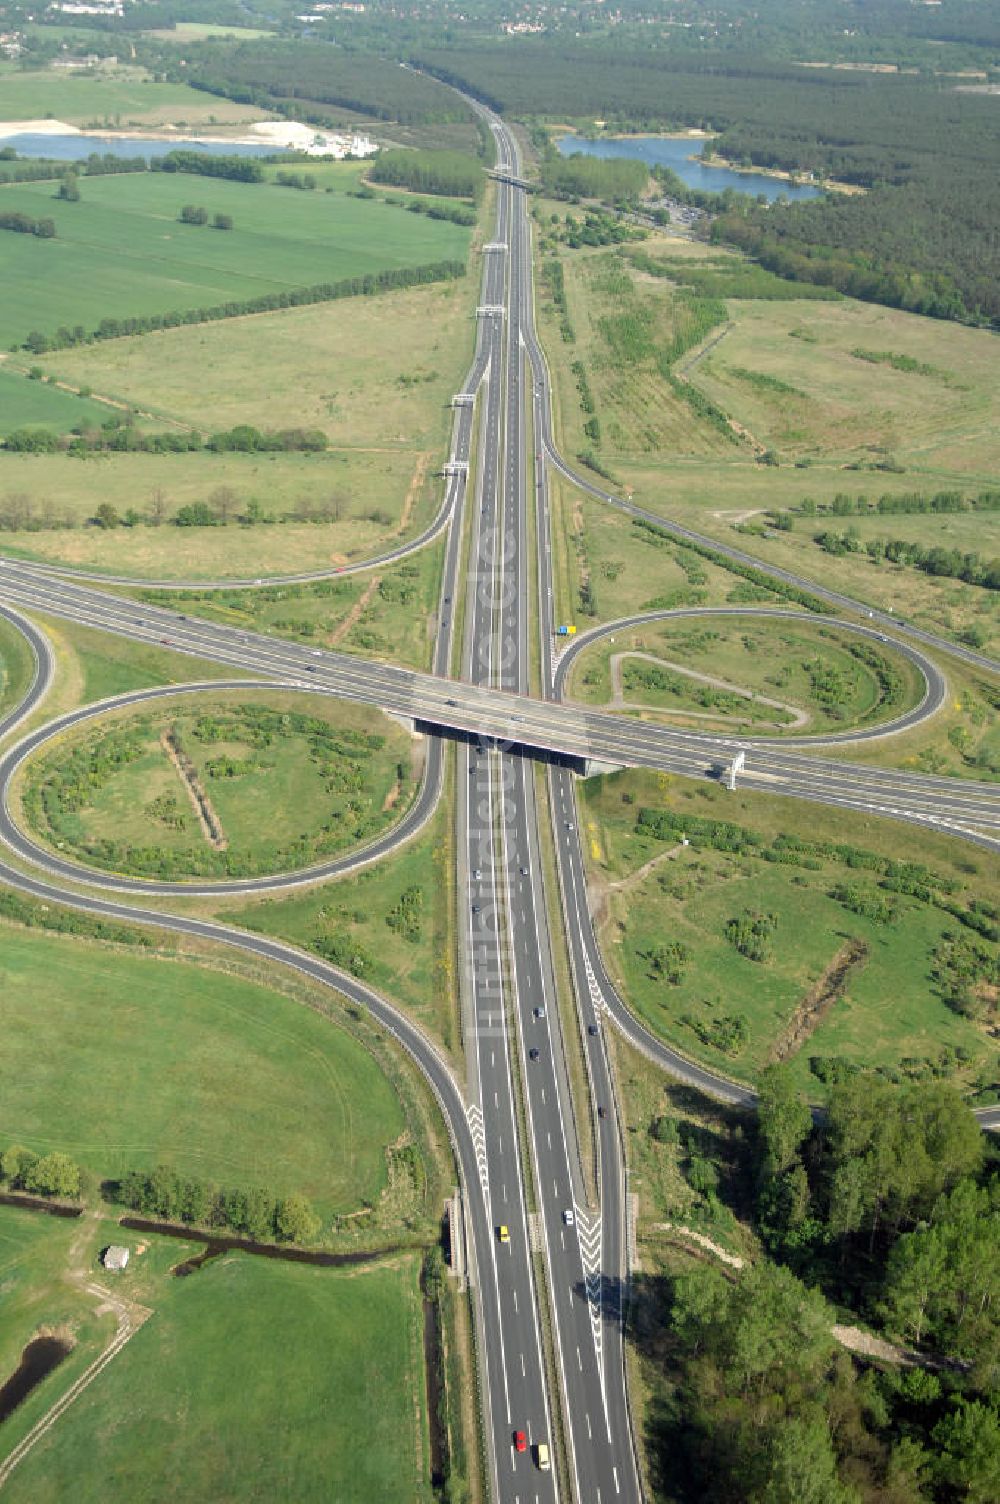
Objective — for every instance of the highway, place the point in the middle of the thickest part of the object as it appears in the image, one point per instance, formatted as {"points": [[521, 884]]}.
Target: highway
{"points": [[594, 738], [550, 1295]]}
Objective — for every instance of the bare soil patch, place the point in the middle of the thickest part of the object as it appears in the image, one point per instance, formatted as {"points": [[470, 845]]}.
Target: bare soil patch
{"points": [[208, 820], [356, 612]]}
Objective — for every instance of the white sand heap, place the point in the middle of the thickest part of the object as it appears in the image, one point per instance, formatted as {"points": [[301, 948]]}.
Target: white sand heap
{"points": [[292, 135], [37, 128]]}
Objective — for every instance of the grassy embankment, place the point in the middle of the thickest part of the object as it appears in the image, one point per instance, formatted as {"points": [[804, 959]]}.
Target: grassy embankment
{"points": [[15, 666], [670, 934], [789, 376], [391, 924], [802, 678]]}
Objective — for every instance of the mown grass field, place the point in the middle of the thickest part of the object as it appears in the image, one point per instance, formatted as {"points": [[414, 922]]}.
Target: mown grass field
{"points": [[126, 96], [123, 1060], [793, 670], [291, 779], [121, 252], [254, 1380], [36, 1254], [889, 1013], [37, 404]]}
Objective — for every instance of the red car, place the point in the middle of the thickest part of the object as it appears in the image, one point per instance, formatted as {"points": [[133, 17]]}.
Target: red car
{"points": [[520, 1442]]}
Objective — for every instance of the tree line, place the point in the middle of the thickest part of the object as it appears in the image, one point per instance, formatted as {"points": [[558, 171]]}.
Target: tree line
{"points": [[388, 280], [52, 1174], [944, 563], [253, 1211], [119, 435]]}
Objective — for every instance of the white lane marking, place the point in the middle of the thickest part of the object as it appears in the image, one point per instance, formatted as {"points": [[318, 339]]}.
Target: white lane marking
{"points": [[476, 1128]]}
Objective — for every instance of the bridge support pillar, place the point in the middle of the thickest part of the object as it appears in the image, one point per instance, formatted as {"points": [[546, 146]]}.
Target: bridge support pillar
{"points": [[593, 767], [736, 766]]}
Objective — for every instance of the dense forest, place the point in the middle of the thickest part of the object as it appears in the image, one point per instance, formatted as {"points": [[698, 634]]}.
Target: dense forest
{"points": [[449, 172], [270, 73], [887, 1212], [922, 236]]}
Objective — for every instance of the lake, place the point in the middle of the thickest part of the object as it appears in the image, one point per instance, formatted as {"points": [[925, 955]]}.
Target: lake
{"points": [[674, 152], [71, 148]]}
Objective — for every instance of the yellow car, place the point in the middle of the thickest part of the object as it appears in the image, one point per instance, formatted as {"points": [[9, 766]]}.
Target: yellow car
{"points": [[503, 1233]]}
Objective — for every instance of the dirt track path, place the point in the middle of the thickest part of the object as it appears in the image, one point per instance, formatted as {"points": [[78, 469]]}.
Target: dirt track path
{"points": [[799, 719]]}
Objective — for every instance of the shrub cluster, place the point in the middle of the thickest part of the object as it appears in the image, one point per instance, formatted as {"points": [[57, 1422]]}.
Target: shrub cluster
{"points": [[40, 1174]]}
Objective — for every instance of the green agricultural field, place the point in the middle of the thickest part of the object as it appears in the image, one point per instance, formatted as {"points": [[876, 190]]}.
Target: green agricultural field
{"points": [[793, 675], [281, 782], [392, 924], [386, 614], [847, 966], [37, 404], [223, 1079], [373, 498], [121, 97], [309, 1382], [120, 252], [15, 666], [198, 31]]}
